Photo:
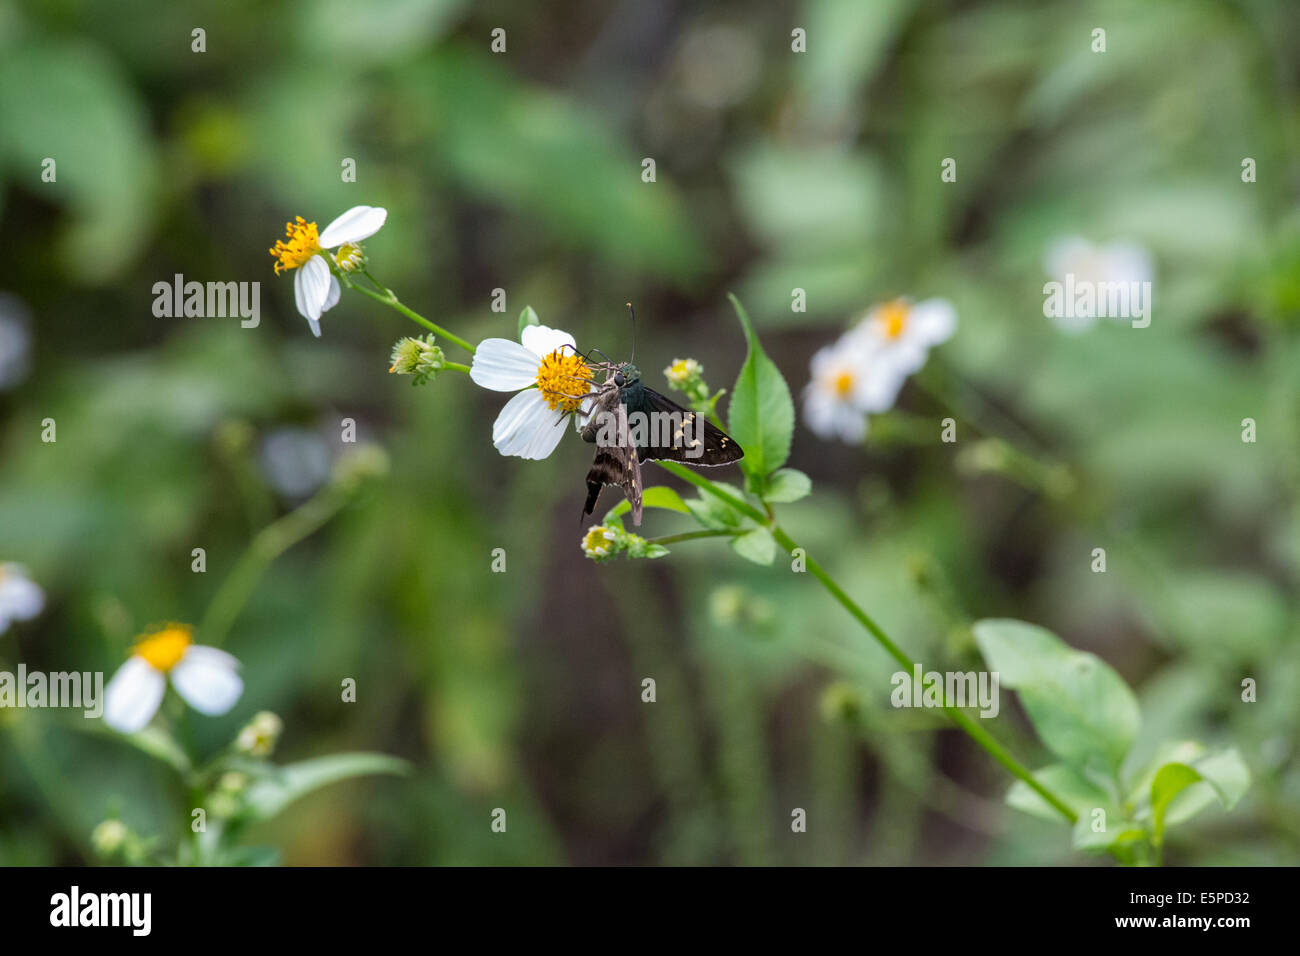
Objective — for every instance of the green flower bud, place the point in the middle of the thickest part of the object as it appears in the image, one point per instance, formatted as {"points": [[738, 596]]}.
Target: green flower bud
{"points": [[360, 464], [418, 357], [601, 543], [840, 703], [687, 375], [259, 736], [350, 257], [232, 782], [109, 837], [727, 605]]}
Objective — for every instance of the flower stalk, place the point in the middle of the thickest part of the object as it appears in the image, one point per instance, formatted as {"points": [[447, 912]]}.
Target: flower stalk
{"points": [[959, 717]]}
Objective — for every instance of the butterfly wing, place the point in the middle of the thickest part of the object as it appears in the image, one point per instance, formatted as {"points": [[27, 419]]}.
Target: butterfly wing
{"points": [[615, 463], [680, 441]]}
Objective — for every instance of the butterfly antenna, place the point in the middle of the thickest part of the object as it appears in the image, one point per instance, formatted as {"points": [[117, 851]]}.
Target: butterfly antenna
{"points": [[632, 312]]}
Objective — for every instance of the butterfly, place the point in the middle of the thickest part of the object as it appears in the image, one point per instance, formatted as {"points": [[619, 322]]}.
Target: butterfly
{"points": [[631, 423]]}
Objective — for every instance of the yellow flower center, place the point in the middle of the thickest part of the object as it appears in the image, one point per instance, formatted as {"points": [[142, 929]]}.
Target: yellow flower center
{"points": [[164, 649], [596, 542], [892, 317], [843, 384], [303, 243], [563, 379]]}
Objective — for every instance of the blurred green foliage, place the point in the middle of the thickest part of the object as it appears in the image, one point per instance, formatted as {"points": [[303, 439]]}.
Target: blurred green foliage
{"points": [[775, 171]]}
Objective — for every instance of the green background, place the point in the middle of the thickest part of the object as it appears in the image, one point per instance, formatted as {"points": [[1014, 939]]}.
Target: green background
{"points": [[775, 170]]}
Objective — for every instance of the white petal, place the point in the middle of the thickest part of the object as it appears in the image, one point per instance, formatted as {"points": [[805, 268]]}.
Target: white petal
{"points": [[208, 679], [133, 695], [931, 322], [828, 417], [503, 366], [1067, 254], [1128, 262], [311, 287], [542, 340], [359, 222], [332, 299], [21, 599], [818, 410], [901, 359], [877, 386], [526, 428], [822, 361], [851, 425]]}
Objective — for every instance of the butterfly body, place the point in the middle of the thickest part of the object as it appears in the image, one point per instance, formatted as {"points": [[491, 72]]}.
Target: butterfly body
{"points": [[632, 423]]}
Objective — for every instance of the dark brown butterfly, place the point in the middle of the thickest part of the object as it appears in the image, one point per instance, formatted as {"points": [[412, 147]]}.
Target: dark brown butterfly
{"points": [[631, 423]]}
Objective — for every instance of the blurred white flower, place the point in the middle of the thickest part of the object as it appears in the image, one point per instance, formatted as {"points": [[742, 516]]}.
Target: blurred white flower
{"points": [[1097, 266], [531, 423], [21, 598], [296, 461], [315, 289], [903, 332], [15, 340], [848, 381], [205, 677]]}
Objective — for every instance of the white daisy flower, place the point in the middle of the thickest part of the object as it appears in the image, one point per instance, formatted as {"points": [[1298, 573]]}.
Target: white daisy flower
{"points": [[532, 422], [848, 381], [315, 288], [1095, 265], [21, 598], [205, 677], [904, 332]]}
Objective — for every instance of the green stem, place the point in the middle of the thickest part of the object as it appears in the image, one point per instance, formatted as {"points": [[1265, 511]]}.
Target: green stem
{"points": [[456, 367], [388, 298], [269, 543], [955, 714], [690, 536]]}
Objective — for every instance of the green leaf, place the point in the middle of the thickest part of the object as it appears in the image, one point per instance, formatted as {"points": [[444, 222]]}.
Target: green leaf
{"points": [[269, 796], [1182, 751], [1179, 791], [757, 545], [1171, 780], [1119, 830], [85, 112], [1080, 707], [787, 484], [761, 414], [526, 318], [252, 856], [1078, 792], [712, 512], [660, 496]]}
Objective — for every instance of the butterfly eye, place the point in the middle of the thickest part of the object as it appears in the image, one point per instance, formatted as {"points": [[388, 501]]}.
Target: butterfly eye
{"points": [[619, 380]]}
